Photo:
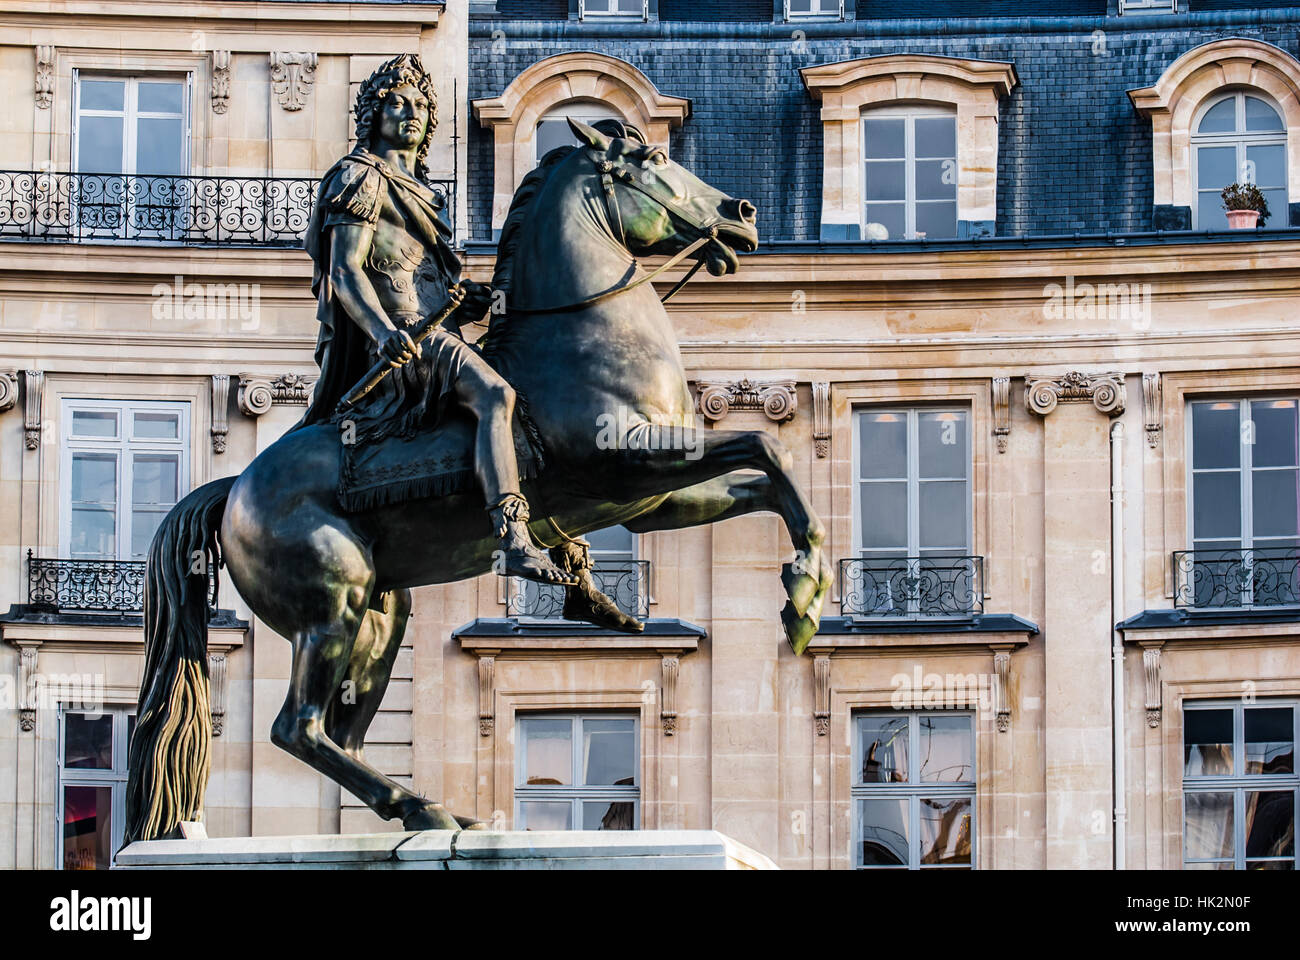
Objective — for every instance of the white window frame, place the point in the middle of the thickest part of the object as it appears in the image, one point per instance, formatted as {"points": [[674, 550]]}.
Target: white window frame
{"points": [[1147, 6], [821, 10], [913, 790], [115, 778], [585, 14], [130, 114], [588, 111], [123, 446], [1241, 139], [1238, 783], [910, 113], [912, 413], [575, 792]]}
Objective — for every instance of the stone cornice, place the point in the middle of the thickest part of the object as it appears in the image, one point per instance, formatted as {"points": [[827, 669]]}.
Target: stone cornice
{"points": [[997, 75]]}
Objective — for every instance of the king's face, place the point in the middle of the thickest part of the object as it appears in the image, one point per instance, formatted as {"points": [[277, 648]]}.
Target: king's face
{"points": [[404, 117]]}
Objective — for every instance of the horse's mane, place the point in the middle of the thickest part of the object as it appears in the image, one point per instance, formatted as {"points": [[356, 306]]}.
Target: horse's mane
{"points": [[520, 210]]}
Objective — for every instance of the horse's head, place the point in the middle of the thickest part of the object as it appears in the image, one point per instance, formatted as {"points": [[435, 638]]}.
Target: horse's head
{"points": [[659, 207]]}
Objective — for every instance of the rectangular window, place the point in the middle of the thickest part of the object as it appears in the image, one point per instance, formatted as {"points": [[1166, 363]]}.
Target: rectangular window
{"points": [[1239, 785], [614, 568], [914, 790], [1147, 6], [910, 172], [125, 464], [91, 794], [612, 8], [577, 771], [1244, 508], [802, 9]]}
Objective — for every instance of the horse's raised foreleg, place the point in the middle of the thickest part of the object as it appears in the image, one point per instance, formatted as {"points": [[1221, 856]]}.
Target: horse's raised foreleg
{"points": [[699, 469]]}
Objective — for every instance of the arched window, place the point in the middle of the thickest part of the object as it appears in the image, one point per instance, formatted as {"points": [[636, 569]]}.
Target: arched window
{"points": [[553, 129], [1239, 138], [910, 177]]}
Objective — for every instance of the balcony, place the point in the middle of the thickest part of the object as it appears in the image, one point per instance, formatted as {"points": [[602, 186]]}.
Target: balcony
{"points": [[912, 587], [626, 582], [1256, 578], [198, 211], [106, 587]]}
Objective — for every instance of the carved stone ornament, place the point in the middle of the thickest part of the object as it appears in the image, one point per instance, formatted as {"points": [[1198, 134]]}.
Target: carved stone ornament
{"points": [[44, 75], [220, 404], [33, 395], [1001, 411], [776, 398], [822, 694], [821, 399], [220, 81], [1104, 390], [8, 390], [258, 393], [486, 692], [217, 690], [27, 689], [1002, 671], [292, 76], [1151, 407], [668, 698], [1151, 672]]}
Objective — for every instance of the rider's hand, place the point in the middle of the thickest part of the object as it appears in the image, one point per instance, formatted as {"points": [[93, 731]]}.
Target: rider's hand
{"points": [[397, 347], [478, 297]]}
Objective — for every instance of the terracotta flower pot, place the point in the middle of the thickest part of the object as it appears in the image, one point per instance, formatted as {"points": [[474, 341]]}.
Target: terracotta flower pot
{"points": [[1242, 219]]}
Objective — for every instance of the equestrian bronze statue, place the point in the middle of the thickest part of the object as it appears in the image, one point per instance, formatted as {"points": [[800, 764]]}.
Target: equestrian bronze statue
{"points": [[426, 459]]}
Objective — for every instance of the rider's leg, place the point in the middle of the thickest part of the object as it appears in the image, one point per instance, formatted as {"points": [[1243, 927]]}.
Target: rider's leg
{"points": [[492, 402]]}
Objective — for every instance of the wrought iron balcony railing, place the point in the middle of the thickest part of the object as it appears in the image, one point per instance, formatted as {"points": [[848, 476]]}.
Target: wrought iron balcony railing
{"points": [[912, 586], [1256, 577], [140, 208], [87, 586], [626, 582]]}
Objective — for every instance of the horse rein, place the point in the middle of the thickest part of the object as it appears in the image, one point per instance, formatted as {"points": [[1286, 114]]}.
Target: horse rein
{"points": [[708, 231]]}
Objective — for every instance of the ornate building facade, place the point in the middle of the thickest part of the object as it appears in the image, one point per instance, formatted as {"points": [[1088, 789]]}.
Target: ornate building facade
{"points": [[1044, 399]]}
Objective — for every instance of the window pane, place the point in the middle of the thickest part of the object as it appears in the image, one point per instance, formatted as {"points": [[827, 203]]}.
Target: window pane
{"points": [[937, 219], [553, 133], [1216, 434], [99, 146], [884, 749], [1210, 214], [941, 444], [1216, 506], [1278, 207], [88, 741], [608, 752], [1209, 825], [883, 138], [1220, 118], [883, 515], [1207, 743], [160, 149], [891, 216], [1261, 116], [945, 748], [1267, 164], [1274, 507], [548, 750], [1274, 433], [157, 426], [882, 445], [94, 478], [87, 830], [1270, 823], [1216, 167], [94, 423], [942, 506], [103, 94], [884, 832], [608, 815], [945, 831], [161, 96], [546, 815], [886, 180], [94, 532], [154, 479], [1269, 740], [936, 137], [936, 180]]}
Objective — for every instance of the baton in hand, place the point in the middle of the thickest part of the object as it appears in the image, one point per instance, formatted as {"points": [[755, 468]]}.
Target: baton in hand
{"points": [[422, 332]]}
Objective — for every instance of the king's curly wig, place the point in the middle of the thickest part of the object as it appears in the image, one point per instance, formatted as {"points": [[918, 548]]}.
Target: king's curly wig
{"points": [[405, 68]]}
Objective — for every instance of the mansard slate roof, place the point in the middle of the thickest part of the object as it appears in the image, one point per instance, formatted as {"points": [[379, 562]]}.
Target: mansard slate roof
{"points": [[1073, 153]]}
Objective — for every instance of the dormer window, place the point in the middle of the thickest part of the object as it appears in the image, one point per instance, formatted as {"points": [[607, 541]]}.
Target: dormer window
{"points": [[809, 9], [621, 9]]}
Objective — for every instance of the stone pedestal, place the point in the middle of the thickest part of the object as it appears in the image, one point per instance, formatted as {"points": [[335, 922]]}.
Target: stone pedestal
{"points": [[454, 850]]}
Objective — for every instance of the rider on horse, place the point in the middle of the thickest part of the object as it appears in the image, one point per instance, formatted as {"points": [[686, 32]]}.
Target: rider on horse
{"points": [[382, 264]]}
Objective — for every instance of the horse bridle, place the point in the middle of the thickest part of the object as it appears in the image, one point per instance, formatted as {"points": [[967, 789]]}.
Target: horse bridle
{"points": [[708, 230]]}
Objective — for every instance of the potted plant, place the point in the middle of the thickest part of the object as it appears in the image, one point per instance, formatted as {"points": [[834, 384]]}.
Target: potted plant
{"points": [[1246, 206]]}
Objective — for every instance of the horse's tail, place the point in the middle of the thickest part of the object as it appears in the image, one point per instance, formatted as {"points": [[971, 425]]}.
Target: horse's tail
{"points": [[169, 753]]}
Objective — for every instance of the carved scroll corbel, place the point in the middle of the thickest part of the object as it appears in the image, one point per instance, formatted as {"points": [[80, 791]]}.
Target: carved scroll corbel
{"points": [[1104, 390], [220, 81], [1151, 673], [1002, 678], [486, 691], [220, 407], [821, 400], [44, 75], [27, 692], [292, 76], [217, 690], [33, 397], [1151, 407], [776, 398], [8, 391], [668, 693], [258, 392], [1002, 411], [822, 694]]}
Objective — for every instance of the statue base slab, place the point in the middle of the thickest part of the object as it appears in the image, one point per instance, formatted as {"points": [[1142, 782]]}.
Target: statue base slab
{"points": [[454, 850]]}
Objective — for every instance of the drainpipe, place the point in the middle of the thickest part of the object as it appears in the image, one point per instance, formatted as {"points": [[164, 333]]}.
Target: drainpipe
{"points": [[1117, 639]]}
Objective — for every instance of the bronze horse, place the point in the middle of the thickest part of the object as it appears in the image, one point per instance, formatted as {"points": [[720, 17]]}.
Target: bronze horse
{"points": [[588, 343]]}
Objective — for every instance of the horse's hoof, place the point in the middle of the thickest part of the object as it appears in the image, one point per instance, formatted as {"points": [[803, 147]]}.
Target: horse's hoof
{"points": [[799, 630], [431, 816], [800, 586]]}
